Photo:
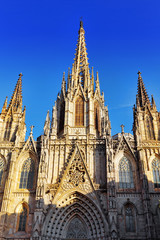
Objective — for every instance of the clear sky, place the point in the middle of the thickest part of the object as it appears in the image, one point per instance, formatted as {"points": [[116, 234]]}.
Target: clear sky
{"points": [[38, 38]]}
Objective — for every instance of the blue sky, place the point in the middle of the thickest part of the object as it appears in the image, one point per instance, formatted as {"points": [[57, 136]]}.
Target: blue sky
{"points": [[38, 38]]}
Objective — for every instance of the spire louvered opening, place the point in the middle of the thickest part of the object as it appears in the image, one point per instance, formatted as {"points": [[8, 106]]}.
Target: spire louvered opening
{"points": [[97, 122], [62, 116]]}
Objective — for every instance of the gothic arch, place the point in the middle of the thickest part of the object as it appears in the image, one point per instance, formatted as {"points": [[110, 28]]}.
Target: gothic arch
{"points": [[76, 228], [123, 154], [18, 210], [156, 172], [125, 174], [151, 158], [19, 205], [79, 206], [149, 128], [150, 174], [62, 116], [130, 220], [19, 164], [97, 117]]}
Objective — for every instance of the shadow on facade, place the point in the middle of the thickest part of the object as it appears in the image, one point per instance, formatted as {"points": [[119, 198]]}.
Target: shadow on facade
{"points": [[126, 214]]}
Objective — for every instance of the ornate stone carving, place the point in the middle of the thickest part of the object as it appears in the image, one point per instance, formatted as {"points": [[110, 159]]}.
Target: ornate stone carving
{"points": [[76, 176]]}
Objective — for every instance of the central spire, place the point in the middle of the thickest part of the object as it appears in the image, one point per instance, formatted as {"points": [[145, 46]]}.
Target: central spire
{"points": [[80, 70]]}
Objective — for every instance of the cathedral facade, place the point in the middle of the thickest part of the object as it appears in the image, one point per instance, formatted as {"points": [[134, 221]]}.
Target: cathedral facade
{"points": [[77, 181]]}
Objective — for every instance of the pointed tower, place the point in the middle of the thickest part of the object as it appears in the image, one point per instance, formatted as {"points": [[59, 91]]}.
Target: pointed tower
{"points": [[146, 129], [80, 105], [12, 117], [146, 117], [142, 93], [74, 154]]}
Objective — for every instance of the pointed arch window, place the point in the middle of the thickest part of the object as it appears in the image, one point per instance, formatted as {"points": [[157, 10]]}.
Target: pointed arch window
{"points": [[27, 174], [156, 172], [22, 219], [97, 123], [149, 128], [79, 112], [129, 218], [125, 174], [62, 116]]}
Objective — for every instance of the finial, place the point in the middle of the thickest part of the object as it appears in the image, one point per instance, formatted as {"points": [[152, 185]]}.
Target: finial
{"points": [[20, 75], [81, 22], [139, 74], [31, 132], [92, 73], [97, 79], [63, 75], [153, 103], [122, 128]]}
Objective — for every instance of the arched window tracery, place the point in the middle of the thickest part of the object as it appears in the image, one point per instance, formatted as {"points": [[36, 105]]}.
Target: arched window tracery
{"points": [[97, 123], [79, 112], [1, 170], [156, 172], [27, 174], [129, 218], [125, 174], [76, 229], [22, 219]]}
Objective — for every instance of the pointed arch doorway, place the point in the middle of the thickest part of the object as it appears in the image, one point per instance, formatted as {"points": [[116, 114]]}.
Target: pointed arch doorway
{"points": [[75, 217]]}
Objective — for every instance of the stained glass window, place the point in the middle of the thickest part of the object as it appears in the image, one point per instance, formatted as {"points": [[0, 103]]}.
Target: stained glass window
{"points": [[79, 112], [156, 172], [125, 174], [22, 220], [1, 169], [129, 219], [27, 174]]}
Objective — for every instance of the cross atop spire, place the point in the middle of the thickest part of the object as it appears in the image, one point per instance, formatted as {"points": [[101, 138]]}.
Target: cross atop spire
{"points": [[142, 93]]}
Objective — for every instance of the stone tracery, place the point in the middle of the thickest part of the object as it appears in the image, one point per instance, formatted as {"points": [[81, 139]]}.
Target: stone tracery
{"points": [[76, 229]]}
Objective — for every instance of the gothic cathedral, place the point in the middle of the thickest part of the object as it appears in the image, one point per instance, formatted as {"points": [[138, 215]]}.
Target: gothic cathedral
{"points": [[77, 181]]}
